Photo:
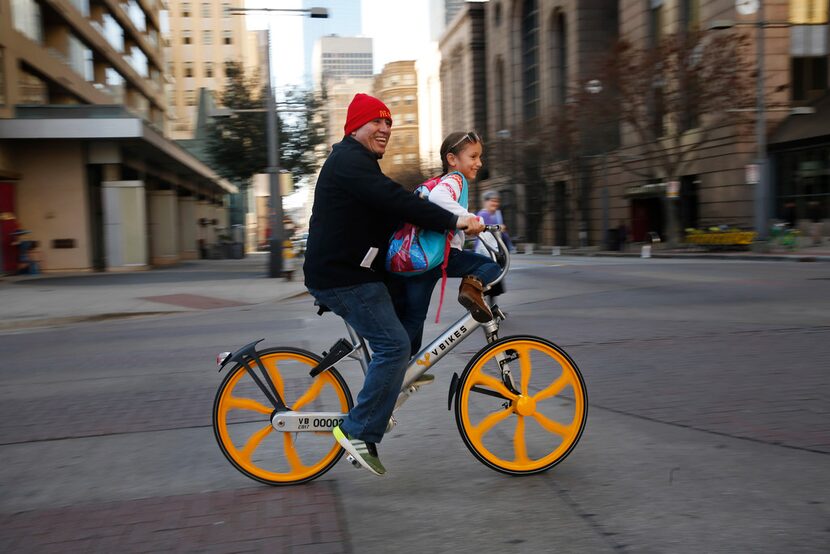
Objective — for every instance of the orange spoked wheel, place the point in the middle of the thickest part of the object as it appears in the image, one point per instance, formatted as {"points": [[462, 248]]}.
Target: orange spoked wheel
{"points": [[242, 418], [535, 426]]}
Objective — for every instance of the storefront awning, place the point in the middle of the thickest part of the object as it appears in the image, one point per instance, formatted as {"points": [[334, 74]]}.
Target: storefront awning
{"points": [[647, 190], [97, 123], [802, 127]]}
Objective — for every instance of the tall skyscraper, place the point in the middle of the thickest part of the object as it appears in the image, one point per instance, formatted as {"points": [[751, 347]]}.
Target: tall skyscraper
{"points": [[344, 20], [342, 58]]}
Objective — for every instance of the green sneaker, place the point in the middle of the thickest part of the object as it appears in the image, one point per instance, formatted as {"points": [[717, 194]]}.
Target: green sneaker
{"points": [[366, 453]]}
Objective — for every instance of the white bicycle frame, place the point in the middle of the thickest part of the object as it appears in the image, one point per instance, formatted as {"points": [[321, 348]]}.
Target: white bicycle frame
{"points": [[290, 421]]}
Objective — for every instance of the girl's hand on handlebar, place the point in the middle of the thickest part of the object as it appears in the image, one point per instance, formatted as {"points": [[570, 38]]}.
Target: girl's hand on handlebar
{"points": [[470, 224]]}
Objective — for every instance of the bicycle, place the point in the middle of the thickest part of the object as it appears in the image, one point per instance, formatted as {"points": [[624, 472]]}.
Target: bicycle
{"points": [[517, 426], [784, 236]]}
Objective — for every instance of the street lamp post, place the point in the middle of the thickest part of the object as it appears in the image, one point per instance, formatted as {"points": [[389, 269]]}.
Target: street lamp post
{"points": [[275, 263], [594, 86], [762, 187], [761, 210]]}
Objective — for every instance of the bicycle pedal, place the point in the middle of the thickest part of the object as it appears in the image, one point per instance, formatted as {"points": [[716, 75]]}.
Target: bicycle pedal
{"points": [[354, 462]]}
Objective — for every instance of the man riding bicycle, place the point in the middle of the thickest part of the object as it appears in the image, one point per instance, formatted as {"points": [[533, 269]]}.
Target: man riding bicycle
{"points": [[356, 209]]}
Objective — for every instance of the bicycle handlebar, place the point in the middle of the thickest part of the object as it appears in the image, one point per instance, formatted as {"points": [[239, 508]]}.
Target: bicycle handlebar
{"points": [[501, 255]]}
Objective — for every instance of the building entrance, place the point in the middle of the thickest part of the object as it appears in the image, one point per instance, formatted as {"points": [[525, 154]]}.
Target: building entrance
{"points": [[646, 217], [8, 225]]}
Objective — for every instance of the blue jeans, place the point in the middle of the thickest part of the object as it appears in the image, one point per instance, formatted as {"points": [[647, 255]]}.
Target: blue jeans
{"points": [[368, 309], [414, 292]]}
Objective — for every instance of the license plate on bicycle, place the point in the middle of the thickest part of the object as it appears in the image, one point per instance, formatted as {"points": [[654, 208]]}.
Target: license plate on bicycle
{"points": [[293, 422]]}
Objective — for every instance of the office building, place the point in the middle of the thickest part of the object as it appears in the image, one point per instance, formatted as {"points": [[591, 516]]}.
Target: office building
{"points": [[574, 189], [202, 36], [397, 85], [85, 165], [344, 20], [337, 58]]}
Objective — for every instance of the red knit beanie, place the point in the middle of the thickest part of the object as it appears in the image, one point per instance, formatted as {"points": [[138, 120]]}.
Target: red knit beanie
{"points": [[362, 110]]}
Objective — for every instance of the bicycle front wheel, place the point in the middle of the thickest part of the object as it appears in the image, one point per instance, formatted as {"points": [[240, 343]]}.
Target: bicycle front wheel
{"points": [[242, 418], [532, 428]]}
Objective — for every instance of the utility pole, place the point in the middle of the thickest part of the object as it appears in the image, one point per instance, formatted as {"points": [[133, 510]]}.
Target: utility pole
{"points": [[275, 262]]}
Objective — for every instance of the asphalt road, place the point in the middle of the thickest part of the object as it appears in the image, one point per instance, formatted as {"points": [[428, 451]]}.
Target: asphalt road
{"points": [[708, 429]]}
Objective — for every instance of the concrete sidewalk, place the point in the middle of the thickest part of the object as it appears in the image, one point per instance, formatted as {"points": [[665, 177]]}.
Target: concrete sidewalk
{"points": [[55, 299]]}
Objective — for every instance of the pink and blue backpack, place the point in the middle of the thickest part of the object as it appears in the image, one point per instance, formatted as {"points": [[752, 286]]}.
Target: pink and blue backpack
{"points": [[413, 251]]}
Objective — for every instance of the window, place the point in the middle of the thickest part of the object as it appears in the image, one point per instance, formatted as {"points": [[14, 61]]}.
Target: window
{"points": [[2, 77], [809, 77], [808, 61], [185, 9], [186, 37], [655, 22], [226, 9], [409, 118], [208, 69], [690, 15], [188, 69], [397, 159], [409, 100], [559, 58], [227, 37], [657, 108], [189, 98], [207, 37], [499, 93], [530, 58], [206, 9], [497, 14], [27, 19], [113, 33], [32, 89]]}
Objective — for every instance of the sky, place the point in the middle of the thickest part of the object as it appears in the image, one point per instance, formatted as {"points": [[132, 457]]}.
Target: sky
{"points": [[400, 29]]}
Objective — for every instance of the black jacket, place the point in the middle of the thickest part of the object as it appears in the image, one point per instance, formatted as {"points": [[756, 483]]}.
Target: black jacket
{"points": [[357, 207]]}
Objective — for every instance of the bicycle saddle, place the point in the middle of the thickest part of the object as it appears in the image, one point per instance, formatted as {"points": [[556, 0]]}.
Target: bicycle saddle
{"points": [[321, 308]]}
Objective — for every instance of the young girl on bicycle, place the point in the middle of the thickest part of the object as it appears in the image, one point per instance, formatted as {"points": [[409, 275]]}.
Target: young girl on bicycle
{"points": [[460, 160]]}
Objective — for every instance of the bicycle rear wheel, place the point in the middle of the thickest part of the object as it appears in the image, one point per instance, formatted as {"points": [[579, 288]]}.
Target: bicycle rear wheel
{"points": [[533, 429], [242, 419]]}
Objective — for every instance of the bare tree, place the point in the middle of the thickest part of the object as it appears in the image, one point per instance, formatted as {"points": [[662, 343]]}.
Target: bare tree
{"points": [[673, 96]]}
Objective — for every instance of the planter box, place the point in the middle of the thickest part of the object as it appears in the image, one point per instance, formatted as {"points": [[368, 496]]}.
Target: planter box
{"points": [[722, 238]]}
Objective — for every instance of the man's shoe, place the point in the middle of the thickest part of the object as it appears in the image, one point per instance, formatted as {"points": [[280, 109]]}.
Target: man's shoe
{"points": [[471, 296], [366, 453]]}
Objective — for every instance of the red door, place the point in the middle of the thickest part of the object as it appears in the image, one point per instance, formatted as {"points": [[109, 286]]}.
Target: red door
{"points": [[8, 224]]}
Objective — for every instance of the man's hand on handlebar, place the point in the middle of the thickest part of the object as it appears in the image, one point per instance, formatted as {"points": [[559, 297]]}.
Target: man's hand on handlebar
{"points": [[470, 224]]}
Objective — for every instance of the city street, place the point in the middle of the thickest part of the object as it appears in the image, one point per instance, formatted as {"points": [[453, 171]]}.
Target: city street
{"points": [[708, 427]]}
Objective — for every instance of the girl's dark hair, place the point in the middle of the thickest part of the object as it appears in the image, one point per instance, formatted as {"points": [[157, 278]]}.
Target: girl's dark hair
{"points": [[454, 143]]}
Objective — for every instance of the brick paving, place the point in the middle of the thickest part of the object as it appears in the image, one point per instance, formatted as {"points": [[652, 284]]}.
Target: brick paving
{"points": [[768, 392], [293, 520], [69, 416]]}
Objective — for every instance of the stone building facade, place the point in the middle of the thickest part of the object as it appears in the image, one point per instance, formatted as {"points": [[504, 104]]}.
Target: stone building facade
{"points": [[85, 165], [542, 54], [397, 85]]}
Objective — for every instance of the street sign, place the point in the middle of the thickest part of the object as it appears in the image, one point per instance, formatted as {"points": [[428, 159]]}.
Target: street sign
{"points": [[673, 189], [753, 174]]}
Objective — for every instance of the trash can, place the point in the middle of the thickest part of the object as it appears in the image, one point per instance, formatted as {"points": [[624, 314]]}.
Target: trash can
{"points": [[612, 240]]}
